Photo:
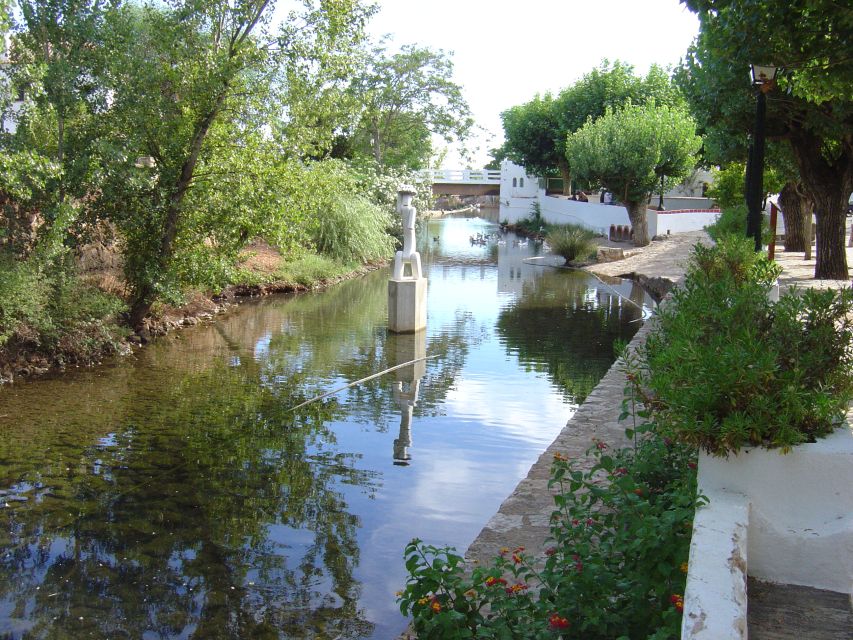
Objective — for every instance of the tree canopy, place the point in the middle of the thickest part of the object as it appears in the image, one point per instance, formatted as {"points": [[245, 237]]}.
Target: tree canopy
{"points": [[811, 110], [536, 131], [404, 98], [628, 150]]}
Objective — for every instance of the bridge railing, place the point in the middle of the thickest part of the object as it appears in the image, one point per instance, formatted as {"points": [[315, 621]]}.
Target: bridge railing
{"points": [[462, 176]]}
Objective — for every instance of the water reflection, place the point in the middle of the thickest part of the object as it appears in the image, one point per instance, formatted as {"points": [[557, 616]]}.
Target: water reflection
{"points": [[176, 494], [402, 349]]}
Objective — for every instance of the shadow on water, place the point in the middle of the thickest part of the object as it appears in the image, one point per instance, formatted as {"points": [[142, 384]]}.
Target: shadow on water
{"points": [[175, 494]]}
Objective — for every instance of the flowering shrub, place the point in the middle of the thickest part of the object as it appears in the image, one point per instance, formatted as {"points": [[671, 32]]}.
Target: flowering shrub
{"points": [[616, 564]]}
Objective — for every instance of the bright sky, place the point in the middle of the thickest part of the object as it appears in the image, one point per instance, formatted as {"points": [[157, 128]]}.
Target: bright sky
{"points": [[506, 52]]}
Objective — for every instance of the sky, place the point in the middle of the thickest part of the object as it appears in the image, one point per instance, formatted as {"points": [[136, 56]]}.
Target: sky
{"points": [[504, 53]]}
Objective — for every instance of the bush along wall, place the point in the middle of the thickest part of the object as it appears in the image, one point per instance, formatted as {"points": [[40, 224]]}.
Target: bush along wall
{"points": [[722, 369], [727, 369]]}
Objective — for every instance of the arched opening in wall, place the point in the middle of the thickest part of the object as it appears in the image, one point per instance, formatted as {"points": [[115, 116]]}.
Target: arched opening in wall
{"points": [[521, 182], [514, 183]]}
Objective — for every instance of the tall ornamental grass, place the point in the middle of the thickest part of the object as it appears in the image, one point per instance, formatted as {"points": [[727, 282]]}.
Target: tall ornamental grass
{"points": [[354, 230], [572, 242]]}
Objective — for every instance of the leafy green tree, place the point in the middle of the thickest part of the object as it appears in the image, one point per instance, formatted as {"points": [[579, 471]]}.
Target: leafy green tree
{"points": [[190, 85], [319, 107], [57, 57], [536, 131], [531, 130], [630, 149], [405, 98], [812, 109]]}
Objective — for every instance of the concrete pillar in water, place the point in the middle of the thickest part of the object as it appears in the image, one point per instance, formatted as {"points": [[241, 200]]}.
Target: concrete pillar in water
{"points": [[407, 288]]}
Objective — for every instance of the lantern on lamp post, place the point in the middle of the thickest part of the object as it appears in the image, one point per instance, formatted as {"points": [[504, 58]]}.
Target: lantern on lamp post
{"points": [[763, 79]]}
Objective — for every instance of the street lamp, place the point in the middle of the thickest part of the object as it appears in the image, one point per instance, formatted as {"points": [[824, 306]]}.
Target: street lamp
{"points": [[764, 79]]}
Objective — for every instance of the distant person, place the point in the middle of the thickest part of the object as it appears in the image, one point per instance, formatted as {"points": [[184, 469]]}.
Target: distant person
{"points": [[601, 197], [575, 195], [608, 198], [582, 197]]}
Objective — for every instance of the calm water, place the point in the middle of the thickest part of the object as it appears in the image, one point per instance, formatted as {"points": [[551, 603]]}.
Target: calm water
{"points": [[176, 494]]}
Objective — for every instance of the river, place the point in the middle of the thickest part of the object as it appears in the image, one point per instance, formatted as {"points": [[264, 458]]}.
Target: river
{"points": [[177, 494]]}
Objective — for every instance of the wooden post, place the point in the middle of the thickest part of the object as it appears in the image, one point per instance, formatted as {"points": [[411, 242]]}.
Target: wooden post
{"points": [[771, 250]]}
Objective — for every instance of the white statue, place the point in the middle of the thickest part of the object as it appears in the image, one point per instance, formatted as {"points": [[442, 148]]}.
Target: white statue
{"points": [[409, 254]]}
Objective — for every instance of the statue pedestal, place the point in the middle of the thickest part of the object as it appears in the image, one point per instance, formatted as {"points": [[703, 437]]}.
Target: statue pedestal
{"points": [[407, 305]]}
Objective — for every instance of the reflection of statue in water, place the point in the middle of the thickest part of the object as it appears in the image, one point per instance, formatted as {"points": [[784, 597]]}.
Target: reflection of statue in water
{"points": [[406, 400], [409, 254], [400, 349]]}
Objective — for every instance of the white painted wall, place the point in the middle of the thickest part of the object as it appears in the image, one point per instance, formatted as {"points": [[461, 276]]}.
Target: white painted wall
{"points": [[783, 518], [516, 183], [692, 185], [801, 509], [516, 202], [715, 598], [680, 221], [9, 119], [593, 215], [676, 203]]}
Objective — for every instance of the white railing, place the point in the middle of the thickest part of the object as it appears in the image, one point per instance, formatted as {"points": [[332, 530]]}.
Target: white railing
{"points": [[461, 176]]}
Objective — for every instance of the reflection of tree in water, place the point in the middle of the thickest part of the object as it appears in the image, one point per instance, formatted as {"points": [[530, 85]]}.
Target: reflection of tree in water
{"points": [[564, 324], [185, 526]]}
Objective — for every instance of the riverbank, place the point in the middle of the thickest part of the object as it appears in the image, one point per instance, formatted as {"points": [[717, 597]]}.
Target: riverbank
{"points": [[262, 272]]}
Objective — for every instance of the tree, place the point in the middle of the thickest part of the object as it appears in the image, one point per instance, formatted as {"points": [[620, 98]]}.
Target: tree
{"points": [[318, 106], [189, 83], [531, 130], [629, 149], [57, 57], [406, 97], [813, 108], [536, 131]]}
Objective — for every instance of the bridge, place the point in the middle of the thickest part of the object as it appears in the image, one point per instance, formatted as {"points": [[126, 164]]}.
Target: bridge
{"points": [[463, 182]]}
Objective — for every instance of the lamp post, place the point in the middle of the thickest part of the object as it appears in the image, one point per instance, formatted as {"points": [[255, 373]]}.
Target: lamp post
{"points": [[764, 79]]}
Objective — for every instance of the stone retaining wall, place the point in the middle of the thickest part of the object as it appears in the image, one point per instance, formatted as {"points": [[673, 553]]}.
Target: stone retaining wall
{"points": [[523, 518]]}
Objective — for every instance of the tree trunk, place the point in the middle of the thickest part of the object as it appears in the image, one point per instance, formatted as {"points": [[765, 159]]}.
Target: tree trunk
{"points": [[145, 294], [566, 173], [831, 259], [808, 234], [639, 224], [828, 183], [795, 209], [377, 143]]}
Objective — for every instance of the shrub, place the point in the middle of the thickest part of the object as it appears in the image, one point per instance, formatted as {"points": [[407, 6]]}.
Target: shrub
{"points": [[727, 188], [534, 223], [732, 222], [24, 296], [620, 537], [572, 242], [48, 308], [726, 368]]}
